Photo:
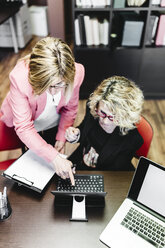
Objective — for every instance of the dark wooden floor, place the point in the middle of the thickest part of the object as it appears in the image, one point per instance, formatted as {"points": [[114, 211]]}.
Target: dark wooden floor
{"points": [[154, 110]]}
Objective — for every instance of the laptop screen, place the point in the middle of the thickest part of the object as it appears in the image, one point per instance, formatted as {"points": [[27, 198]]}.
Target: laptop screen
{"points": [[152, 192], [150, 186]]}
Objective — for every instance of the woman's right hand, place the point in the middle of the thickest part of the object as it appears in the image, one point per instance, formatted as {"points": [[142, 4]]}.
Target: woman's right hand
{"points": [[63, 168], [90, 158], [72, 134]]}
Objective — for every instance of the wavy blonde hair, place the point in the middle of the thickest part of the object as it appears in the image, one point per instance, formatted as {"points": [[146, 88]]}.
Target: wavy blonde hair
{"points": [[122, 97], [51, 61]]}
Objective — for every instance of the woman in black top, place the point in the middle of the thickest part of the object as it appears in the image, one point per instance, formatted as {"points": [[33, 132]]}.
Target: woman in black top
{"points": [[108, 135]]}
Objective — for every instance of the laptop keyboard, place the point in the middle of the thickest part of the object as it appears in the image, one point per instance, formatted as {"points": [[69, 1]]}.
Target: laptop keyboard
{"points": [[145, 227], [83, 184]]}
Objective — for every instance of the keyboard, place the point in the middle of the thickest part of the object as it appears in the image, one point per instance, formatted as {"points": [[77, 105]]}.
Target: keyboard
{"points": [[145, 227], [84, 185]]}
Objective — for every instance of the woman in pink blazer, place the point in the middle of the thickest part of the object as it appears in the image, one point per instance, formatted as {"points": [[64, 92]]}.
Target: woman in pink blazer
{"points": [[44, 93]]}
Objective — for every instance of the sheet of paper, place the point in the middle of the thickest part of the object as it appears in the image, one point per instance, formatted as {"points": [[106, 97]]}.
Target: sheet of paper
{"points": [[31, 170]]}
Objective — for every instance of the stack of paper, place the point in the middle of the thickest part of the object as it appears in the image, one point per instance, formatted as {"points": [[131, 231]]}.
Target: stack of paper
{"points": [[30, 171]]}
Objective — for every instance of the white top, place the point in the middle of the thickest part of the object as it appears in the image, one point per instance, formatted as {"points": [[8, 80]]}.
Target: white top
{"points": [[49, 117]]}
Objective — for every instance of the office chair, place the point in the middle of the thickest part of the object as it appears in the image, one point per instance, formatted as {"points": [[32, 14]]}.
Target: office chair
{"points": [[8, 141], [146, 131]]}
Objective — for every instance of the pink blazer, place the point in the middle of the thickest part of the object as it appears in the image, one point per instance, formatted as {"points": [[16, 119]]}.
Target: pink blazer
{"points": [[21, 107]]}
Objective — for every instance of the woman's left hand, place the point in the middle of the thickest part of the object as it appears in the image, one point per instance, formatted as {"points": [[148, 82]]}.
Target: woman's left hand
{"points": [[60, 146]]}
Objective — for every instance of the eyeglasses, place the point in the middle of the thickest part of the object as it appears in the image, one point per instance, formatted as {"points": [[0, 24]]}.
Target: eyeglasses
{"points": [[58, 85], [103, 115]]}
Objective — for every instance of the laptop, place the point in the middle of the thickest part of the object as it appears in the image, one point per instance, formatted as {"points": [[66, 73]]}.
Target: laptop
{"points": [[140, 220]]}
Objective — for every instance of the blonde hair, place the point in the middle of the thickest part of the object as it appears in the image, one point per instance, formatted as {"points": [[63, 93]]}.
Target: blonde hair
{"points": [[50, 61], [122, 97]]}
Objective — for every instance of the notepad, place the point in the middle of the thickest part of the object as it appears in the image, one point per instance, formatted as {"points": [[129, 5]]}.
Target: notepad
{"points": [[30, 171]]}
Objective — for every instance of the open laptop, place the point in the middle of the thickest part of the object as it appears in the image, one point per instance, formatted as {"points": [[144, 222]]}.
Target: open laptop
{"points": [[140, 220]]}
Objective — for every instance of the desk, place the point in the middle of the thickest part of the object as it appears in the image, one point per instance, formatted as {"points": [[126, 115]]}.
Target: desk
{"points": [[7, 12], [35, 223]]}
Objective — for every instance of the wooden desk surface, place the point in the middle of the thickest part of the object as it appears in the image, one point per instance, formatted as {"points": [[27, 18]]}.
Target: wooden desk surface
{"points": [[36, 223]]}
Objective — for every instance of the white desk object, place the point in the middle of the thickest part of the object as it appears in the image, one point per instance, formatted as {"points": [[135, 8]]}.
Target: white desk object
{"points": [[31, 171]]}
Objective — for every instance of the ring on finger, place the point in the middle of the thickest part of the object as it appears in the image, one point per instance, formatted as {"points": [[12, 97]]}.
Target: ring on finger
{"points": [[62, 175]]}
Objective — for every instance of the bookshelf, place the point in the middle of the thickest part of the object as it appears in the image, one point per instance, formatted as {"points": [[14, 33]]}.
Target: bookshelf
{"points": [[142, 63]]}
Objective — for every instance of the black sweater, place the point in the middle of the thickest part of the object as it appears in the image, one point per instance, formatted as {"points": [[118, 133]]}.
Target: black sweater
{"points": [[115, 150]]}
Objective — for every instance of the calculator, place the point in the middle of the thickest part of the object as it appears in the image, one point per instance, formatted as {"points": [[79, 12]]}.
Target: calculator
{"points": [[89, 185]]}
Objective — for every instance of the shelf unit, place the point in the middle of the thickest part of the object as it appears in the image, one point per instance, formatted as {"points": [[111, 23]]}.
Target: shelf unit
{"points": [[143, 64]]}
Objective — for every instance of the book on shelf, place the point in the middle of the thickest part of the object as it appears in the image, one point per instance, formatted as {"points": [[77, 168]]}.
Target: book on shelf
{"points": [[103, 32], [152, 27], [92, 3], [156, 2], [160, 37], [78, 3], [95, 31], [127, 28], [88, 30], [86, 3], [77, 33], [108, 2], [119, 4], [83, 3], [82, 29], [135, 2], [99, 3], [155, 29], [132, 33], [162, 4]]}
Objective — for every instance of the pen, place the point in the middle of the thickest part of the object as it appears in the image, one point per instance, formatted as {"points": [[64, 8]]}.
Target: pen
{"points": [[4, 198], [74, 166], [1, 206], [5, 195], [1, 201]]}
